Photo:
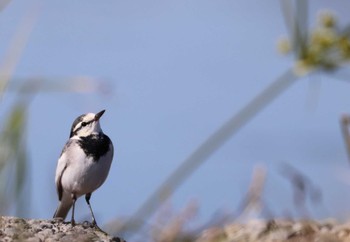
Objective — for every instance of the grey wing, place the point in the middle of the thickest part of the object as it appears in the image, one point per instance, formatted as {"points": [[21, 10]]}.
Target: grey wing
{"points": [[111, 148], [62, 164]]}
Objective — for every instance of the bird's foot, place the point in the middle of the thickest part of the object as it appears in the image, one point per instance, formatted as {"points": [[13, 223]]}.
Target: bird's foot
{"points": [[87, 224], [94, 224]]}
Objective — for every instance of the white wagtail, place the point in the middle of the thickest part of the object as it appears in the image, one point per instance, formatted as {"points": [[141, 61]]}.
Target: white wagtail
{"points": [[83, 165]]}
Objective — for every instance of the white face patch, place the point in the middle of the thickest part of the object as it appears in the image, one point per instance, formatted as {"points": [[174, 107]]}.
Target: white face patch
{"points": [[86, 125]]}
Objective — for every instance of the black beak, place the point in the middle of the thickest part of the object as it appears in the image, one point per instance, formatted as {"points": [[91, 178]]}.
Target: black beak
{"points": [[99, 114]]}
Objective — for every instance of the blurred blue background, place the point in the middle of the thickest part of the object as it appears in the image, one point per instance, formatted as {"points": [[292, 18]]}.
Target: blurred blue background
{"points": [[176, 71]]}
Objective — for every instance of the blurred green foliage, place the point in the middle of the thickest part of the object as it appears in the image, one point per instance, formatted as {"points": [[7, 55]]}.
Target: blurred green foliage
{"points": [[13, 157]]}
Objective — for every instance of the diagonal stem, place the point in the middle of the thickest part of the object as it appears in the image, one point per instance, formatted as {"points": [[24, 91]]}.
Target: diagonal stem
{"points": [[208, 147], [344, 125]]}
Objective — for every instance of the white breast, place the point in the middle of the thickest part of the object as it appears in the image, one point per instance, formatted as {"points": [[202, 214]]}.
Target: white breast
{"points": [[83, 175]]}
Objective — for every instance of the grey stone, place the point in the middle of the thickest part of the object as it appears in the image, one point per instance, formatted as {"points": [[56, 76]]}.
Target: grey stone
{"points": [[31, 230]]}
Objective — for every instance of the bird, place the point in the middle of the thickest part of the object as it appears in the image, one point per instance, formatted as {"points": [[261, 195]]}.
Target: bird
{"points": [[83, 165]]}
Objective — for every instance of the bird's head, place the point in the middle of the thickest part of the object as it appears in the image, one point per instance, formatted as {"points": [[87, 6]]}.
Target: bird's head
{"points": [[86, 124]]}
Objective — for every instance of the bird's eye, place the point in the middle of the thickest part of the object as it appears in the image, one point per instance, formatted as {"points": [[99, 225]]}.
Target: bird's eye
{"points": [[83, 124]]}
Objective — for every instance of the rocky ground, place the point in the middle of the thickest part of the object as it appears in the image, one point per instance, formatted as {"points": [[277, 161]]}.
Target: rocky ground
{"points": [[32, 230], [279, 230], [17, 229]]}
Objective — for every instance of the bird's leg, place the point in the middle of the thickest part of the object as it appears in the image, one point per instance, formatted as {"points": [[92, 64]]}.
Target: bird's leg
{"points": [[87, 198], [74, 198]]}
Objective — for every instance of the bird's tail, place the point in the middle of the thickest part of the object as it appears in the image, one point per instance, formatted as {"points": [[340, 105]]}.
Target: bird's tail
{"points": [[63, 208]]}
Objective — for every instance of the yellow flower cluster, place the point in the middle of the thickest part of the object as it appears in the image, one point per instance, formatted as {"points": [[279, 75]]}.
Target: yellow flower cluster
{"points": [[325, 48]]}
